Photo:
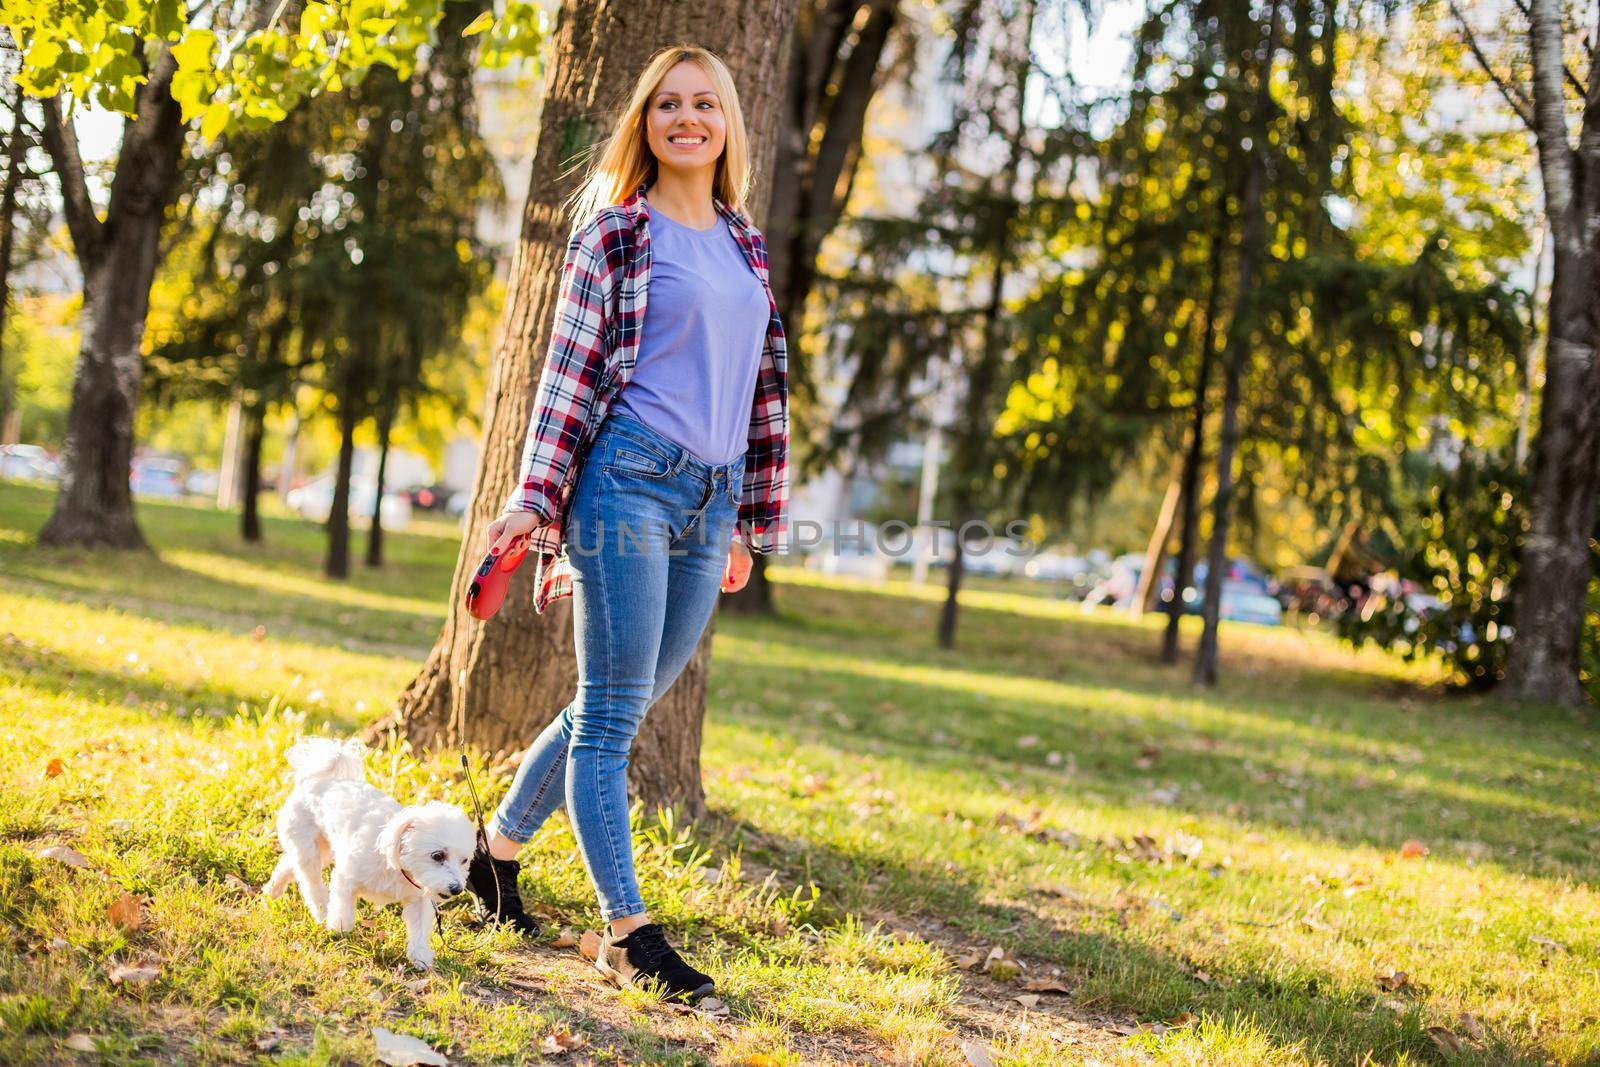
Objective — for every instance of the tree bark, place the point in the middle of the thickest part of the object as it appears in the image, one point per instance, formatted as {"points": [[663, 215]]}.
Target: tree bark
{"points": [[250, 481], [118, 258], [1252, 234], [1552, 587], [496, 684]]}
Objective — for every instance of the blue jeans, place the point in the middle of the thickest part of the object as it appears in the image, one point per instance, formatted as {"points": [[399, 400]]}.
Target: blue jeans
{"points": [[648, 534]]}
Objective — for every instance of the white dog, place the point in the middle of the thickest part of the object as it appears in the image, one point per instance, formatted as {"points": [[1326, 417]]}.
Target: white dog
{"points": [[413, 856]]}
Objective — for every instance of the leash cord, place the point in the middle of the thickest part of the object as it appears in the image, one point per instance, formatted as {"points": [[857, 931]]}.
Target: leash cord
{"points": [[483, 843]]}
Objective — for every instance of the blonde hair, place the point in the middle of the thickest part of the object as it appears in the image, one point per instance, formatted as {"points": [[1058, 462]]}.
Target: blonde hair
{"points": [[624, 159]]}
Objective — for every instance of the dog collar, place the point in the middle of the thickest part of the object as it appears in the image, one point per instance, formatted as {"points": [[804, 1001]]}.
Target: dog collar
{"points": [[407, 876]]}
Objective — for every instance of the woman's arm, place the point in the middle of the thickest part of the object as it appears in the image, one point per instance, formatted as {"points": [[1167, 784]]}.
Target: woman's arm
{"points": [[567, 383]]}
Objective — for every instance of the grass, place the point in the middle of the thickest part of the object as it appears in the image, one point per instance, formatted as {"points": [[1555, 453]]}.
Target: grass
{"points": [[1212, 877]]}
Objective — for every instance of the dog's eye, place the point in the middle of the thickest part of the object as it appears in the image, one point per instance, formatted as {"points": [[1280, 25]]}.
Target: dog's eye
{"points": [[439, 857]]}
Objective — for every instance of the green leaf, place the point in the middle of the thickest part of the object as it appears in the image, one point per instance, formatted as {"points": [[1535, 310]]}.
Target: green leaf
{"points": [[316, 18], [216, 120], [194, 51], [484, 20]]}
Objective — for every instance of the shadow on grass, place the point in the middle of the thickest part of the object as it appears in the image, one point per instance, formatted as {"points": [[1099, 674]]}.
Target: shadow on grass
{"points": [[1304, 755], [1311, 1010]]}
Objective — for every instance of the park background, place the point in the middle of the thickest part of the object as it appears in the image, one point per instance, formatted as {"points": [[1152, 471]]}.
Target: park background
{"points": [[1272, 323]]}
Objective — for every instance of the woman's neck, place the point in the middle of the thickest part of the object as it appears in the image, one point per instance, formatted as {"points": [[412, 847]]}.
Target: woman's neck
{"points": [[685, 196]]}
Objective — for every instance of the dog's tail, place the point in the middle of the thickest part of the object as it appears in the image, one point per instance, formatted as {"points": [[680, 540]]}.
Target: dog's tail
{"points": [[318, 759]]}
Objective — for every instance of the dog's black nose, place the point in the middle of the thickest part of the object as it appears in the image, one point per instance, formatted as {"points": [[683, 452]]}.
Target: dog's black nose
{"points": [[455, 887]]}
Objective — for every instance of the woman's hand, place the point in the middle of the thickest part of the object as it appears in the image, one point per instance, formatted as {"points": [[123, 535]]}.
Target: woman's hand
{"points": [[507, 529], [737, 572]]}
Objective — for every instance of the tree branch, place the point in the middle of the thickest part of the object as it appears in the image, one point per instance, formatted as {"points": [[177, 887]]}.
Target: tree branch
{"points": [[61, 141], [1517, 99]]}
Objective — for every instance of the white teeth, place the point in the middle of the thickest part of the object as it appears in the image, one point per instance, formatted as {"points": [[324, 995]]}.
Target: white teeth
{"points": [[686, 140]]}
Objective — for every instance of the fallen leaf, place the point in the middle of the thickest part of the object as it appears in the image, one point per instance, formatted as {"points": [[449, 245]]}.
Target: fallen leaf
{"points": [[710, 1006], [970, 960], [560, 1042], [977, 1054], [80, 1043], [758, 1059], [589, 945], [268, 1043], [124, 913], [417, 985], [1394, 981], [1027, 740], [233, 881], [1413, 849], [567, 938], [62, 854], [125, 974], [1473, 1028], [51, 770], [1046, 985], [1027, 1000], [1549, 946], [1445, 1041], [402, 1050], [1183, 1021]]}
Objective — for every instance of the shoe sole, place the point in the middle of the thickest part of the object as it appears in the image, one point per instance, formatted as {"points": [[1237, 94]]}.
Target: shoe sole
{"points": [[620, 982]]}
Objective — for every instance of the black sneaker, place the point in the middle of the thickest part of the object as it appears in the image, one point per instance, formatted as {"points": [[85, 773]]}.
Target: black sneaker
{"points": [[494, 883], [643, 955]]}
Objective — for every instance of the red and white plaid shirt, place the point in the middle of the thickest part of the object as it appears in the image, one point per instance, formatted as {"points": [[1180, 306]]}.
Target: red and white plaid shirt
{"points": [[599, 319]]}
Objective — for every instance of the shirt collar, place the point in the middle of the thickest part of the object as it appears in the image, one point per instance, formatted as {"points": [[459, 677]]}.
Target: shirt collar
{"points": [[638, 207]]}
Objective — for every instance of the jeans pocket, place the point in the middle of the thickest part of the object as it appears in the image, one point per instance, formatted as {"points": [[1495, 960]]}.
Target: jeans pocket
{"points": [[640, 464]]}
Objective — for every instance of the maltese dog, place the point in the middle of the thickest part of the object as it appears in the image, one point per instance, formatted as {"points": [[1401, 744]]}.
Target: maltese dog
{"points": [[413, 856]]}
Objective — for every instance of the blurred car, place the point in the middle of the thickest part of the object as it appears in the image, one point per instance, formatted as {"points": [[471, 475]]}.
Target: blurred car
{"points": [[856, 553], [156, 476], [314, 501], [1241, 603], [996, 557], [29, 463], [434, 497], [202, 483]]}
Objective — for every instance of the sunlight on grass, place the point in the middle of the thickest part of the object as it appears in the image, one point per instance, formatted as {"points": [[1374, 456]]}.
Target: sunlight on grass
{"points": [[1316, 862]]}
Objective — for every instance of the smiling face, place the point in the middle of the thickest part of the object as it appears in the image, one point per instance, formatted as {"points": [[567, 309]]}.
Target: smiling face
{"points": [[684, 122]]}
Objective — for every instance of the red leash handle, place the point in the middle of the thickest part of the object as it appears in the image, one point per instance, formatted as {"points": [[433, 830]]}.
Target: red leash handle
{"points": [[487, 590]]}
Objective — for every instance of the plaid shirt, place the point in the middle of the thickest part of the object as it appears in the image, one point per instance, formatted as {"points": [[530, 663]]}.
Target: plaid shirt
{"points": [[593, 345]]}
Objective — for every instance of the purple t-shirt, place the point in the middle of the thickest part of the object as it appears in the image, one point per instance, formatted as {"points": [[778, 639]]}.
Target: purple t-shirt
{"points": [[705, 321]]}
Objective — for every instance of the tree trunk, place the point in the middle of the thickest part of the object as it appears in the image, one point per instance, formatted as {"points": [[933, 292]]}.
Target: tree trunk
{"points": [[337, 562], [16, 149], [1155, 553], [831, 81], [1552, 588], [118, 258], [250, 476], [496, 684], [1184, 571], [375, 531], [1237, 353]]}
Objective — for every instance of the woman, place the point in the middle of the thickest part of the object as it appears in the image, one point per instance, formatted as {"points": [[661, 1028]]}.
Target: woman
{"points": [[656, 461]]}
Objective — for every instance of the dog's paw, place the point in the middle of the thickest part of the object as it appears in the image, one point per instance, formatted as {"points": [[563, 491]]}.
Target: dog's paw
{"points": [[341, 924], [422, 961]]}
